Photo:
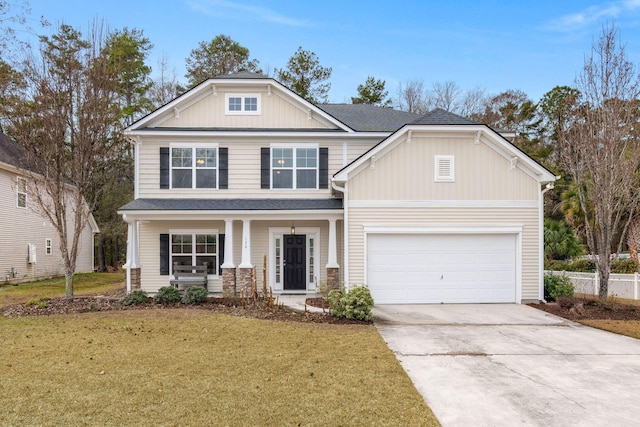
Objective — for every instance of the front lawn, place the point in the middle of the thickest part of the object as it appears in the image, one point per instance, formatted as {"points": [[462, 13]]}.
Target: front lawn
{"points": [[84, 284], [193, 367]]}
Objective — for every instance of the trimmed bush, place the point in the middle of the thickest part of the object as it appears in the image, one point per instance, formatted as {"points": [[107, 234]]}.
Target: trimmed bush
{"points": [[556, 265], [167, 295], [557, 287], [624, 266], [194, 295], [136, 297], [355, 304]]}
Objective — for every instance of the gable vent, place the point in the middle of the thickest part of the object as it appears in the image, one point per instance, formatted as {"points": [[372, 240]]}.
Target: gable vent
{"points": [[444, 169]]}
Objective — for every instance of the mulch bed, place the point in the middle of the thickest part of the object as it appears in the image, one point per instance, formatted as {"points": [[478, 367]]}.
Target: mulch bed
{"points": [[577, 309], [231, 306]]}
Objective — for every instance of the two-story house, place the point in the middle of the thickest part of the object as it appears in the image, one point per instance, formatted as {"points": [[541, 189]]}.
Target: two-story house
{"points": [[240, 171], [29, 244]]}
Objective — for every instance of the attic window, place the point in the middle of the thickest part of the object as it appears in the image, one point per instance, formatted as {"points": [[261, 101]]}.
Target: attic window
{"points": [[444, 169], [242, 104]]}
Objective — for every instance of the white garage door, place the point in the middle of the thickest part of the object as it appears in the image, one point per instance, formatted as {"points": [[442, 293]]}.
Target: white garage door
{"points": [[441, 268]]}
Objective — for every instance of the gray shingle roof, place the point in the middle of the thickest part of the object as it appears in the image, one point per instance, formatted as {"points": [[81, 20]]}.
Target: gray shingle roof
{"points": [[13, 153], [243, 75], [442, 117], [231, 204], [369, 118]]}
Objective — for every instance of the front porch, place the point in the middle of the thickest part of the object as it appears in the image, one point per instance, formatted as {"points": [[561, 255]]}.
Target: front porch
{"points": [[299, 249]]}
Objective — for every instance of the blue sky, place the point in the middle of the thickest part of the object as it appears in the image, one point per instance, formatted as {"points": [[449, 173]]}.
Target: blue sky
{"points": [[495, 45]]}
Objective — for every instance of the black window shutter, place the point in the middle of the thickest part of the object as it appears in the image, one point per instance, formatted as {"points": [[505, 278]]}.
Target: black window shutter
{"points": [[164, 254], [265, 169], [164, 168], [223, 168], [323, 172], [220, 252]]}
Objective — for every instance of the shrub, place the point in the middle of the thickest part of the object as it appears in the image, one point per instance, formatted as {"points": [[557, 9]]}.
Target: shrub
{"points": [[582, 265], [555, 265], [557, 286], [136, 297], [195, 295], [355, 304], [624, 266], [168, 295]]}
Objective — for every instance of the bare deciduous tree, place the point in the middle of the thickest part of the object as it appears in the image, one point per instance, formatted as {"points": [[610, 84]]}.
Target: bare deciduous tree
{"points": [[165, 87], [447, 96], [412, 97], [601, 148], [67, 122]]}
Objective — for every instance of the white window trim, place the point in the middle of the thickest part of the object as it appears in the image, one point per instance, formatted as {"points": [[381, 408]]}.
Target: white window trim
{"points": [[18, 192], [193, 232], [48, 246], [313, 232], [193, 147], [436, 169], [243, 97], [295, 168]]}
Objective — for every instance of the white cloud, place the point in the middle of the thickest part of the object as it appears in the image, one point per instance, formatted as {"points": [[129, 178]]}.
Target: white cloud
{"points": [[229, 8], [592, 14]]}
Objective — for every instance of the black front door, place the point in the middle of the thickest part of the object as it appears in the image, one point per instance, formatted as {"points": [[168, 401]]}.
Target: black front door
{"points": [[295, 261]]}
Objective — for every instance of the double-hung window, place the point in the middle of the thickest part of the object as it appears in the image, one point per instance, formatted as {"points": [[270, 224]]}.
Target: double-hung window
{"points": [[294, 167], [195, 249], [194, 167], [48, 246], [22, 192], [242, 104]]}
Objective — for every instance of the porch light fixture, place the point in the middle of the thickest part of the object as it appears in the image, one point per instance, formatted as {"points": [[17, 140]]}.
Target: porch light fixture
{"points": [[293, 229]]}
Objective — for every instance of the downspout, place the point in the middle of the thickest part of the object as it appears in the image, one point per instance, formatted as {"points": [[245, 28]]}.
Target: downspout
{"points": [[547, 187], [345, 230]]}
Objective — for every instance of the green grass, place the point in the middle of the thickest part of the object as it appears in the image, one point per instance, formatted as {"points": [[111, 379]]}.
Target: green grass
{"points": [[192, 367], [84, 284]]}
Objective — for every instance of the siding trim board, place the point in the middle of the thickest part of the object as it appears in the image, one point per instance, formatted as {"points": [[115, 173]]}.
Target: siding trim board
{"points": [[502, 204]]}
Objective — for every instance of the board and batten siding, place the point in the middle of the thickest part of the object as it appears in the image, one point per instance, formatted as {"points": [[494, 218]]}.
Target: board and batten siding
{"points": [[275, 112], [407, 173], [243, 168], [451, 217], [150, 232], [20, 227]]}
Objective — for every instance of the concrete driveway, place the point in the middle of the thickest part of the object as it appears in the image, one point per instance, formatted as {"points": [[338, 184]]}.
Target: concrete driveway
{"points": [[513, 365]]}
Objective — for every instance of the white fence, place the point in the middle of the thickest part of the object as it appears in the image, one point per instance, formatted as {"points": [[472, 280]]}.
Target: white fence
{"points": [[620, 285]]}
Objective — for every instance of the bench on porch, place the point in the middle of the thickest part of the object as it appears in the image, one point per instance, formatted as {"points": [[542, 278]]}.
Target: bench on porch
{"points": [[185, 276]]}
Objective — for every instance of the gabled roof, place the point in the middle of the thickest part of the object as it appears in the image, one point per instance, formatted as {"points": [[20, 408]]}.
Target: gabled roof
{"points": [[441, 120], [12, 153], [369, 118]]}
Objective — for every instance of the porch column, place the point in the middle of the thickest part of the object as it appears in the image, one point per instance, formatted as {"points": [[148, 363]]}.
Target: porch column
{"points": [[245, 270], [133, 256], [333, 268], [228, 267]]}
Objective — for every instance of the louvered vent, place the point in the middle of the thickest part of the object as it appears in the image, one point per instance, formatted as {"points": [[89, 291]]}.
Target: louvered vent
{"points": [[444, 171]]}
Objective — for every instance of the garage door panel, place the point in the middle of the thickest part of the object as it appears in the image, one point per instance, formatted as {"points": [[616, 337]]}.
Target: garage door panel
{"points": [[456, 268]]}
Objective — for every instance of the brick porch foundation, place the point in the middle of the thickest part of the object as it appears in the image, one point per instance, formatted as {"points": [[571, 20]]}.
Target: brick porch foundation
{"points": [[135, 278], [228, 282], [333, 278], [245, 278]]}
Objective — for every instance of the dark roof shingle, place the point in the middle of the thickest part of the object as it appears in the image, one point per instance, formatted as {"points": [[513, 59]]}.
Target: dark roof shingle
{"points": [[369, 118], [442, 117], [231, 204]]}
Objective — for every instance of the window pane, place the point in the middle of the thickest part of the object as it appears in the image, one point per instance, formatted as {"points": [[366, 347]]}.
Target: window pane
{"points": [[211, 263], [282, 157], [181, 178], [206, 158], [181, 243], [206, 178], [206, 244], [235, 104], [22, 200], [181, 157], [306, 157], [282, 178], [251, 104], [306, 178], [22, 185]]}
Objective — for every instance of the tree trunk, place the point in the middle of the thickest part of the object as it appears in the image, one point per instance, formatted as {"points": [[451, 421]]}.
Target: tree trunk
{"points": [[68, 285], [102, 259], [603, 276], [115, 256]]}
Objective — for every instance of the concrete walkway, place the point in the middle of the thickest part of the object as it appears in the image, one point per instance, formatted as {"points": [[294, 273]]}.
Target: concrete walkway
{"points": [[513, 365]]}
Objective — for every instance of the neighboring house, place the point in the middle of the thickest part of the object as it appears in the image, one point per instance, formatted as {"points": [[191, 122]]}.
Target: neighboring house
{"points": [[422, 209], [29, 244]]}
